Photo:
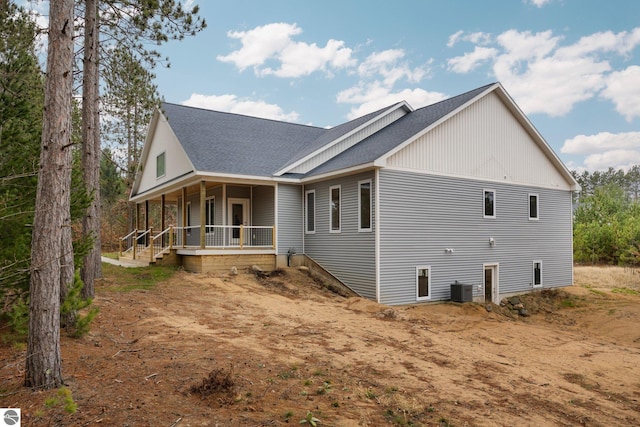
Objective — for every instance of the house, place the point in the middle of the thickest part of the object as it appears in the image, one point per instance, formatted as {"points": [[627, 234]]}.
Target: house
{"points": [[397, 205]]}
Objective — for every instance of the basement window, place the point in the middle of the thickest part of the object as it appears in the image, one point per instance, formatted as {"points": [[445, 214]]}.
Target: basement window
{"points": [[537, 274]]}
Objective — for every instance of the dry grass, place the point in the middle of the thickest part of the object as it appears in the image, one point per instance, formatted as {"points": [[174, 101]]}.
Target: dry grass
{"points": [[607, 277]]}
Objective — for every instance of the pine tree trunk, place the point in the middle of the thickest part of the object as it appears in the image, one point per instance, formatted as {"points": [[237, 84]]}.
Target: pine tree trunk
{"points": [[43, 364], [67, 271], [92, 266]]}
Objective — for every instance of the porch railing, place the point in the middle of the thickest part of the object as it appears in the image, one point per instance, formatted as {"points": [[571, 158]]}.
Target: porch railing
{"points": [[135, 242], [226, 236], [161, 243], [126, 242], [216, 236]]}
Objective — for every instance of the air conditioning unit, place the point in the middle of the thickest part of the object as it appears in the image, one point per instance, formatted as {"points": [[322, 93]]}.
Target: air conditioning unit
{"points": [[461, 292]]}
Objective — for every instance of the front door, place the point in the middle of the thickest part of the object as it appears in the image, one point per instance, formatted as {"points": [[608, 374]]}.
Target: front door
{"points": [[238, 214], [491, 292]]}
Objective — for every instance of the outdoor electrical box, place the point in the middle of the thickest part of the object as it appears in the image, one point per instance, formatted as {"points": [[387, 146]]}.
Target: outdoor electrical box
{"points": [[461, 292]]}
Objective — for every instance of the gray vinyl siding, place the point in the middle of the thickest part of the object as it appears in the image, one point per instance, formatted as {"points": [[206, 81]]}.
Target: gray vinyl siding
{"points": [[289, 227], [422, 215], [348, 255], [262, 206], [216, 192], [238, 191]]}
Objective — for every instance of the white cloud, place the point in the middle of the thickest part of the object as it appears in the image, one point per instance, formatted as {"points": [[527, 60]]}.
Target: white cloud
{"points": [[388, 65], [476, 38], [188, 4], [623, 88], [453, 38], [370, 97], [617, 159], [274, 43], [605, 149], [379, 74], [469, 61], [545, 76], [537, 3], [233, 104]]}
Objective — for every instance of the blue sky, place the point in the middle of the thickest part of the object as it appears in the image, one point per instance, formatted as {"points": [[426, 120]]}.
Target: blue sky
{"points": [[573, 66]]}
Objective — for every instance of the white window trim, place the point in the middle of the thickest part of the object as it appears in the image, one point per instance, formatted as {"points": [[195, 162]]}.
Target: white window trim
{"points": [[339, 229], [306, 213], [418, 297], [365, 230], [533, 274], [165, 165], [537, 206], [495, 209]]}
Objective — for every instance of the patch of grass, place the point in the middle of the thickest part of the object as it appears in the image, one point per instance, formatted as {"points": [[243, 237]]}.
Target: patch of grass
{"points": [[595, 291], [625, 291], [122, 279], [285, 375], [112, 255], [370, 394], [580, 380]]}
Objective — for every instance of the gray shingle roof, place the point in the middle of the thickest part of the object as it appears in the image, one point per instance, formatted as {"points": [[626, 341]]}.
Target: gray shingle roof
{"points": [[244, 145], [334, 133], [237, 144]]}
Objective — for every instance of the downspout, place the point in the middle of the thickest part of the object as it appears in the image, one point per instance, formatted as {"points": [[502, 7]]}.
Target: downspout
{"points": [[377, 230], [304, 213], [275, 217]]}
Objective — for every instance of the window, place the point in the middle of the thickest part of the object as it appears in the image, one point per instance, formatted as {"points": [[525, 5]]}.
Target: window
{"points": [[334, 208], [364, 205], [533, 206], [210, 211], [537, 274], [160, 165], [423, 282], [489, 204], [310, 203]]}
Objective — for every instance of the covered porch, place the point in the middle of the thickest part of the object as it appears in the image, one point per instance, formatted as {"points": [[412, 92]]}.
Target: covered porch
{"points": [[206, 220]]}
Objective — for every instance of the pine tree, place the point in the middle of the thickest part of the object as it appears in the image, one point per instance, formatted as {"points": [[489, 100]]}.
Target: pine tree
{"points": [[21, 103], [43, 365], [135, 24]]}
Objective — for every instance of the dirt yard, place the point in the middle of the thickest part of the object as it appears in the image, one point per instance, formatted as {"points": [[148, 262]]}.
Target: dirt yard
{"points": [[198, 350]]}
